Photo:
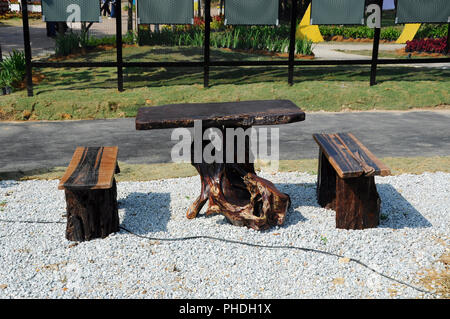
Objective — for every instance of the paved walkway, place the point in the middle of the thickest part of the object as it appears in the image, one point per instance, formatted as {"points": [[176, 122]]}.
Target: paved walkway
{"points": [[330, 51], [30, 145]]}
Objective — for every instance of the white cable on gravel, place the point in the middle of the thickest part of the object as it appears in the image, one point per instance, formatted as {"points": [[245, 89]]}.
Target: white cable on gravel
{"points": [[36, 261]]}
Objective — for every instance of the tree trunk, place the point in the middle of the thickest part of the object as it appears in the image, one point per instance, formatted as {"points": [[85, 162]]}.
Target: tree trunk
{"points": [[91, 213], [130, 16], [234, 190]]}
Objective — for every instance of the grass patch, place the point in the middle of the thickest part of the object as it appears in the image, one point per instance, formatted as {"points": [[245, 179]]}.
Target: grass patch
{"points": [[438, 280], [83, 93], [146, 172]]}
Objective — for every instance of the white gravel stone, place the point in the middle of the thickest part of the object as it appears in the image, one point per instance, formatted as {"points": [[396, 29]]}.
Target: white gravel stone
{"points": [[36, 261]]}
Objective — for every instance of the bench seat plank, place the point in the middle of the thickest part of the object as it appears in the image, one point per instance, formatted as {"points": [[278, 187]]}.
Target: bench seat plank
{"points": [[344, 164], [343, 161], [91, 168], [357, 147]]}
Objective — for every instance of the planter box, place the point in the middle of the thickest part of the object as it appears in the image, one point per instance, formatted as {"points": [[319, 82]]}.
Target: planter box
{"points": [[15, 7]]}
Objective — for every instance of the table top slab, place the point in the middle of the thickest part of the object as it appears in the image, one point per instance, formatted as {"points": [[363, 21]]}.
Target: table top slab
{"points": [[238, 114]]}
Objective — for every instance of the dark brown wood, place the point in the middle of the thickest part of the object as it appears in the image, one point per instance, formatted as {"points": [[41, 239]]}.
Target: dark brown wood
{"points": [[234, 190], [91, 168], [91, 193], [91, 213], [326, 183], [346, 182], [357, 203], [348, 156], [231, 114]]}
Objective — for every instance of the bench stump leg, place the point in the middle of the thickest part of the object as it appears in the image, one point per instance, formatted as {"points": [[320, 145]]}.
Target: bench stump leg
{"points": [[91, 213], [326, 183], [357, 203], [355, 200]]}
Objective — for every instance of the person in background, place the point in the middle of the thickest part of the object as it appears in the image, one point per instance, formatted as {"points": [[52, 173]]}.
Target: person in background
{"points": [[113, 8], [105, 8], [51, 29]]}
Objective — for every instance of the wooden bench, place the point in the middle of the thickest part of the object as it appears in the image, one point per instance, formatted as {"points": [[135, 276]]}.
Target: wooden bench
{"points": [[346, 180], [91, 193]]}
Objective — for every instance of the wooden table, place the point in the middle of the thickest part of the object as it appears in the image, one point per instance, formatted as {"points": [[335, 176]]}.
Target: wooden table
{"points": [[233, 189]]}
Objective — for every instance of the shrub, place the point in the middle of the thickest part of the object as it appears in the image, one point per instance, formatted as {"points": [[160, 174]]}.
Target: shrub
{"points": [[218, 23], [12, 69], [432, 31], [67, 43], [303, 46], [387, 33], [390, 33], [274, 39], [427, 45]]}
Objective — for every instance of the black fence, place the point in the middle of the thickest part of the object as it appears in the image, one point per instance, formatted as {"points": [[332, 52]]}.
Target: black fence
{"points": [[207, 62]]}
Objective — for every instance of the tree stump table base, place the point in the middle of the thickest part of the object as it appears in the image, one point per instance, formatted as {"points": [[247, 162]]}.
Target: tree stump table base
{"points": [[245, 199]]}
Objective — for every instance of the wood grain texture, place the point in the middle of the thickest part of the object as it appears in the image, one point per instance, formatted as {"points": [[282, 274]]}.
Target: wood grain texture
{"points": [[357, 203], [348, 156], [233, 114], [91, 168], [326, 183], [235, 191], [354, 198], [91, 213]]}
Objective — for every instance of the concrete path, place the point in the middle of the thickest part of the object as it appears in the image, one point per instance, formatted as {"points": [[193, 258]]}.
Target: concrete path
{"points": [[31, 145], [329, 51]]}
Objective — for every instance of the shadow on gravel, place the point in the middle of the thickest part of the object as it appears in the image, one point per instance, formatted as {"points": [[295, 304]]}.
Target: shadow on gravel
{"points": [[302, 194], [145, 212], [397, 212]]}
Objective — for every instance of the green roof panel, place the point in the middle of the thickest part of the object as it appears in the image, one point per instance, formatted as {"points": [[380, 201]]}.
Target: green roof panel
{"points": [[165, 11], [71, 10], [423, 11], [251, 12], [337, 12]]}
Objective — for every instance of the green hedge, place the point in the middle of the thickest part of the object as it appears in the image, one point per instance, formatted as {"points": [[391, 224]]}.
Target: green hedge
{"points": [[387, 33]]}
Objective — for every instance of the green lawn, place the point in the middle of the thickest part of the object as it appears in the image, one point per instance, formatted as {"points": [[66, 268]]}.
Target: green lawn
{"points": [[91, 93]]}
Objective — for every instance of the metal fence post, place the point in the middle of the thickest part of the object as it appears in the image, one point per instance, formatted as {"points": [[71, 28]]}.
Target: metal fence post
{"points": [[207, 58], [119, 45], [292, 42], [27, 47], [376, 45]]}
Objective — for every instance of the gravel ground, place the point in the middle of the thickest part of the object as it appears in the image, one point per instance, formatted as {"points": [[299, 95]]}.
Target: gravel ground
{"points": [[36, 261]]}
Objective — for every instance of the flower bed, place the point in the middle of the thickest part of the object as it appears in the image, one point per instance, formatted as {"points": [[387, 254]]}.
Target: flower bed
{"points": [[427, 45]]}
